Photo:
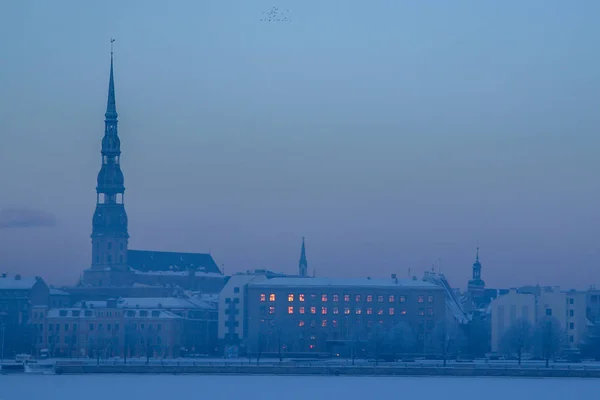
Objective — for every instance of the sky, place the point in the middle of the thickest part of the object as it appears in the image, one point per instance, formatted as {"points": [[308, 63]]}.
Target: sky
{"points": [[394, 135]]}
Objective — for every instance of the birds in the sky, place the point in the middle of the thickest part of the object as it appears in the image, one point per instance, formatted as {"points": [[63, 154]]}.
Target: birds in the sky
{"points": [[276, 14]]}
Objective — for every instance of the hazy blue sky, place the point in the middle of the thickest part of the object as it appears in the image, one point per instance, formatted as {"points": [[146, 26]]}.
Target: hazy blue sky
{"points": [[389, 133]]}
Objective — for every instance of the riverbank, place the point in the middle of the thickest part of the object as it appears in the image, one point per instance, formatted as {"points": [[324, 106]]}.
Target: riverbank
{"points": [[328, 370]]}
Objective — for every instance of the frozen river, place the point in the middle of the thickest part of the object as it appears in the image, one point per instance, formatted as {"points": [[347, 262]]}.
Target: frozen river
{"points": [[172, 387]]}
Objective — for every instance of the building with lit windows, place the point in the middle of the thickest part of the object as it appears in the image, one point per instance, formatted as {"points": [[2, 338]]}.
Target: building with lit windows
{"points": [[322, 315]]}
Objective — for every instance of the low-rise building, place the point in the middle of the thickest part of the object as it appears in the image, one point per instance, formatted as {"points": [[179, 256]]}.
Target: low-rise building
{"points": [[19, 296]]}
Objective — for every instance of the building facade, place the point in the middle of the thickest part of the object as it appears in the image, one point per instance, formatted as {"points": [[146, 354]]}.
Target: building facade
{"points": [[19, 296], [536, 303], [318, 315]]}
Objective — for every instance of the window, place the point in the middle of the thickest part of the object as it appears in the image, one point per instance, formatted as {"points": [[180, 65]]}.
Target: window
{"points": [[421, 312], [66, 327], [313, 310], [301, 297], [271, 309], [272, 297], [263, 297], [346, 297], [313, 323], [402, 299], [571, 301], [323, 310], [430, 299], [323, 297], [324, 323], [109, 258], [430, 312], [290, 309], [357, 298], [571, 325], [346, 311], [369, 311], [91, 327], [571, 313], [358, 311], [236, 290], [369, 298], [334, 323], [313, 297], [108, 326], [380, 311], [291, 297], [391, 298], [380, 299], [301, 310], [156, 313], [391, 311], [336, 297], [335, 310], [549, 312], [109, 245], [571, 339], [75, 327], [421, 299], [300, 323]]}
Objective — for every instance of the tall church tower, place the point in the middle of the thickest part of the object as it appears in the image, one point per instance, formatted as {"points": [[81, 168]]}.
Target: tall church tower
{"points": [[109, 226], [303, 264]]}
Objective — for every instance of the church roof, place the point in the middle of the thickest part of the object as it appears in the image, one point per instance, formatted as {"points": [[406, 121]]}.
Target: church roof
{"points": [[146, 261]]}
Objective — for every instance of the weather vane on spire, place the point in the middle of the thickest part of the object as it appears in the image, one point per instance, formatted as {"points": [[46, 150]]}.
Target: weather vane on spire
{"points": [[111, 45]]}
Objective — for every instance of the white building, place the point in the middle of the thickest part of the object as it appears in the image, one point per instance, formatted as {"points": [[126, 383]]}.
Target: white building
{"points": [[533, 304]]}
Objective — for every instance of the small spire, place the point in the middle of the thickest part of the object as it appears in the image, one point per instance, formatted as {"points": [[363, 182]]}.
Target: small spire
{"points": [[111, 106], [477, 255], [303, 264]]}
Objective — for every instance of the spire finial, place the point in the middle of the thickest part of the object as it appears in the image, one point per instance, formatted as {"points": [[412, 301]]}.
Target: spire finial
{"points": [[111, 107], [477, 254]]}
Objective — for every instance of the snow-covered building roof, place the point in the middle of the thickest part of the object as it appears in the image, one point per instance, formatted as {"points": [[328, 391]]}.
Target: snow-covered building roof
{"points": [[16, 282], [142, 260], [344, 282], [163, 302], [179, 273], [453, 303]]}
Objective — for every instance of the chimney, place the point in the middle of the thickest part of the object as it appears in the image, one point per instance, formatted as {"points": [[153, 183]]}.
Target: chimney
{"points": [[17, 277], [395, 278], [4, 274]]}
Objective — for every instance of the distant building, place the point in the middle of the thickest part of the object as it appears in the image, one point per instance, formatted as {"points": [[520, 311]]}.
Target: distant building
{"points": [[110, 331], [533, 304], [135, 327], [18, 297], [321, 315], [59, 298]]}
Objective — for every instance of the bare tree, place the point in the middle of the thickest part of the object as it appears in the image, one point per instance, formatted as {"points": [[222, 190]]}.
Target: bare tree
{"points": [[378, 338], [518, 338], [130, 340], [401, 339], [548, 338], [448, 339]]}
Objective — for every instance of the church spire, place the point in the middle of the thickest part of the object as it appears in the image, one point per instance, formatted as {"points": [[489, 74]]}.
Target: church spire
{"points": [[111, 106], [303, 264]]}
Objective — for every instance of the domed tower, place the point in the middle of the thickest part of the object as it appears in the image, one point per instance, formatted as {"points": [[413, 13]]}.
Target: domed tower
{"points": [[109, 226], [476, 285]]}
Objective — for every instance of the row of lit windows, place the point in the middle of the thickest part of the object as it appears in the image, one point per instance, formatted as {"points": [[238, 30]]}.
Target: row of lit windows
{"points": [[348, 311], [336, 298]]}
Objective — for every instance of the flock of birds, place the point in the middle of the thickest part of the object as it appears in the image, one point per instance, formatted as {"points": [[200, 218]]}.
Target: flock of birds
{"points": [[275, 15]]}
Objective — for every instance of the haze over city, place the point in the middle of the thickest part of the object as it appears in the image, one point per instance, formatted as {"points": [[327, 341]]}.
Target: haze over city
{"points": [[391, 134]]}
